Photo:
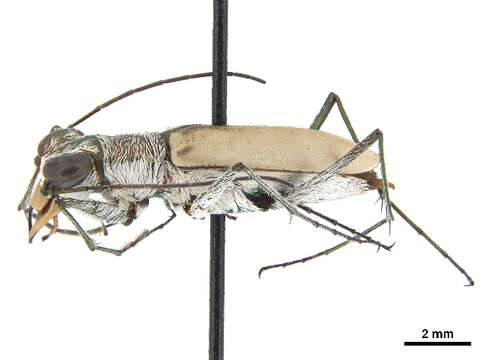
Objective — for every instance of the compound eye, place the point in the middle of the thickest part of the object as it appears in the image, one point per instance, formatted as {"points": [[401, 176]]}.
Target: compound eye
{"points": [[66, 171]]}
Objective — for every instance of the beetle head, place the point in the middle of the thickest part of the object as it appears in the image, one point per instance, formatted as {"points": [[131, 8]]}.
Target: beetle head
{"points": [[62, 162]]}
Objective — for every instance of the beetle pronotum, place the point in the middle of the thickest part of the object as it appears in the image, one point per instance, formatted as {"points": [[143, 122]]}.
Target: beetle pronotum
{"points": [[201, 170]]}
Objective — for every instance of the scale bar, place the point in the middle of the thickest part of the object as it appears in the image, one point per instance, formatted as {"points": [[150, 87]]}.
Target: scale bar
{"points": [[437, 343]]}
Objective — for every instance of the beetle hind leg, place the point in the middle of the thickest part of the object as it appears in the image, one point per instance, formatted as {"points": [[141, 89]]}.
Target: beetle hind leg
{"points": [[326, 109], [333, 99], [433, 243], [319, 120], [383, 191], [305, 189]]}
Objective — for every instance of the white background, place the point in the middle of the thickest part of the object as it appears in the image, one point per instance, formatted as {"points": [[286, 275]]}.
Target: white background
{"points": [[414, 69]]}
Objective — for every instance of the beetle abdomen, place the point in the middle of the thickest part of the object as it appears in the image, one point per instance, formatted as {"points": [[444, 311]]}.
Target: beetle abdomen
{"points": [[270, 148]]}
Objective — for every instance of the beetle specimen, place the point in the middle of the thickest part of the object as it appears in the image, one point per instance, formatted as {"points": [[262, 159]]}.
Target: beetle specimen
{"points": [[201, 170]]}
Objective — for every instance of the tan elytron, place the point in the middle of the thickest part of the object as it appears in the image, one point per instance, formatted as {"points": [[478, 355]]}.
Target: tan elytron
{"points": [[264, 148]]}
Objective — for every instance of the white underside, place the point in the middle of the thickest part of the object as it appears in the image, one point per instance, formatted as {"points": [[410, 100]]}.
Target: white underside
{"points": [[234, 201]]}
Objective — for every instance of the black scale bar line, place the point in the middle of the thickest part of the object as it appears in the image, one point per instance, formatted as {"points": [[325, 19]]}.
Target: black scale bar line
{"points": [[437, 343]]}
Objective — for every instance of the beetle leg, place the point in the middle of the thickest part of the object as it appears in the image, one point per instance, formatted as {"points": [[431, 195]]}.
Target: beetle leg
{"points": [[89, 242], [140, 237], [53, 228], [81, 205], [321, 253], [216, 189], [293, 210], [384, 193], [24, 203], [316, 125], [103, 228], [202, 203], [318, 122], [432, 242], [325, 110], [341, 163], [100, 229], [337, 223], [102, 210]]}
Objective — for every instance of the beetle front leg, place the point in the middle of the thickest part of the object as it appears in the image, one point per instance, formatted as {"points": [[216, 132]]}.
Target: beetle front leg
{"points": [[140, 237], [109, 213], [89, 242], [102, 210], [103, 229]]}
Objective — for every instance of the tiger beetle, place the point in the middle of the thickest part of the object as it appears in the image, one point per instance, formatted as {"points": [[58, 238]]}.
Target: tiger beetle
{"points": [[201, 170]]}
